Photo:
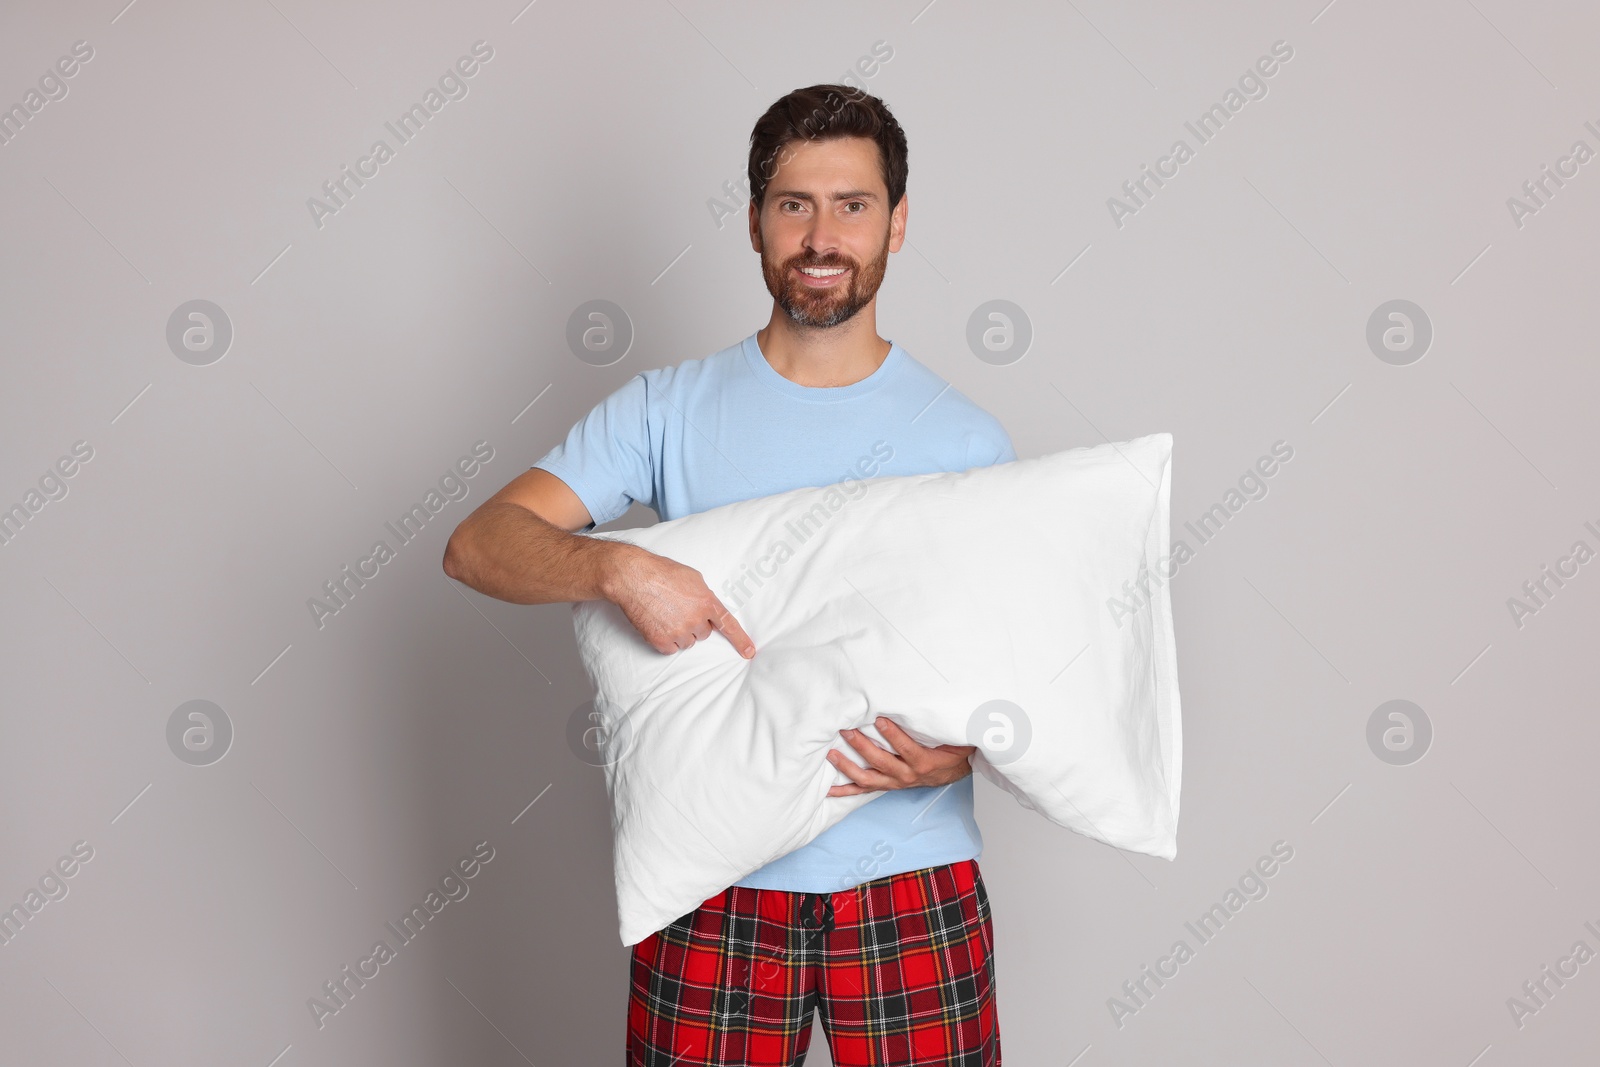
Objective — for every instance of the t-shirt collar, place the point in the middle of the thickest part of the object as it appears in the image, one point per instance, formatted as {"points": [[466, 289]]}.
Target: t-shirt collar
{"points": [[765, 373]]}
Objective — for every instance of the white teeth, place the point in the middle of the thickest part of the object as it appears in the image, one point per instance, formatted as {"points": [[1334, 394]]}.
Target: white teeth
{"points": [[822, 272]]}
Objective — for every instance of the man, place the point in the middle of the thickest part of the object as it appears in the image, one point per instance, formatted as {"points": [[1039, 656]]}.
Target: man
{"points": [[882, 922]]}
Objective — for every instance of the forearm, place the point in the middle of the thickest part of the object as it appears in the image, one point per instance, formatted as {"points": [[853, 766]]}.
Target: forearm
{"points": [[510, 553]]}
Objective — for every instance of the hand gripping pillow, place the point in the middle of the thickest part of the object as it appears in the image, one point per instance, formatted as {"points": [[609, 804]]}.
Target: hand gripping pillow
{"points": [[1021, 607]]}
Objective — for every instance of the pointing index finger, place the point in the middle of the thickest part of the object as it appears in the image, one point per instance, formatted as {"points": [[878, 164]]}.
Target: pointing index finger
{"points": [[729, 627]]}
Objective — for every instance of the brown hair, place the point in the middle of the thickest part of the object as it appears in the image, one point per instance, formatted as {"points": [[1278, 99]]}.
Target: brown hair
{"points": [[822, 113]]}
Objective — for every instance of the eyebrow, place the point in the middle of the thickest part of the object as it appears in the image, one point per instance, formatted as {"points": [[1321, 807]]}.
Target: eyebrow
{"points": [[795, 194]]}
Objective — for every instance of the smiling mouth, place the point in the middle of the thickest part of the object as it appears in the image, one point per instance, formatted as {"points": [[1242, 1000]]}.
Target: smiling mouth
{"points": [[823, 276]]}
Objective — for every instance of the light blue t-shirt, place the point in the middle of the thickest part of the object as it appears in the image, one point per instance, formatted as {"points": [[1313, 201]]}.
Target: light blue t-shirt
{"points": [[707, 432]]}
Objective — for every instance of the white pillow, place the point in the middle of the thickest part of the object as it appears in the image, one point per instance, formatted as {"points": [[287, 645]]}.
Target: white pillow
{"points": [[923, 598]]}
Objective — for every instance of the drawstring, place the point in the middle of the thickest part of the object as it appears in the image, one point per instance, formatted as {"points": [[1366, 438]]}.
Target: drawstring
{"points": [[808, 917]]}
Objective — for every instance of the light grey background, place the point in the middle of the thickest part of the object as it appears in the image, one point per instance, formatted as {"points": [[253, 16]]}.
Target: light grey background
{"points": [[430, 312]]}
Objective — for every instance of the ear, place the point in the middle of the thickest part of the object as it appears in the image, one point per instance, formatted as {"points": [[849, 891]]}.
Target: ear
{"points": [[755, 227], [897, 223]]}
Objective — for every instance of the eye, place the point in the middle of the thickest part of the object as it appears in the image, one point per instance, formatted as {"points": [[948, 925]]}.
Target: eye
{"points": [[856, 203]]}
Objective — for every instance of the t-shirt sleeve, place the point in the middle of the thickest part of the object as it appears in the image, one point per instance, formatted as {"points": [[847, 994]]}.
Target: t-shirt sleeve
{"points": [[990, 445], [607, 458]]}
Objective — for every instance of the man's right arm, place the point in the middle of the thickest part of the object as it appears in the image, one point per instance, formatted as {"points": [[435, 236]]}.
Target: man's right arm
{"points": [[519, 546]]}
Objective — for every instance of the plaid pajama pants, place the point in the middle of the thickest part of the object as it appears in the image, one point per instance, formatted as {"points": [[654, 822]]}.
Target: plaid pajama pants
{"points": [[900, 967]]}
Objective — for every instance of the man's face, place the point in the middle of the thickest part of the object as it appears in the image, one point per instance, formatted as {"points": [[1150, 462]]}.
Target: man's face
{"points": [[825, 209]]}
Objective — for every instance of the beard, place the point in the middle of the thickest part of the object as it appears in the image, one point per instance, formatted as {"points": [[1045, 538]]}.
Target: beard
{"points": [[823, 308]]}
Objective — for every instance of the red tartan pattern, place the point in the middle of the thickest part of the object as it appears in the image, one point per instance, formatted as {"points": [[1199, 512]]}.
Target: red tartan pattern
{"points": [[901, 969]]}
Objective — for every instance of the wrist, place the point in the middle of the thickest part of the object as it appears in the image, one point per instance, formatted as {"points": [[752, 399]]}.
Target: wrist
{"points": [[615, 558]]}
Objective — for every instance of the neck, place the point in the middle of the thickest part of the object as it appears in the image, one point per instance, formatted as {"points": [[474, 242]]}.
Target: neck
{"points": [[823, 358]]}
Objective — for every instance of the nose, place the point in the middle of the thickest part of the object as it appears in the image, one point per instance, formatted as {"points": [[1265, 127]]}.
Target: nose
{"points": [[822, 237]]}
